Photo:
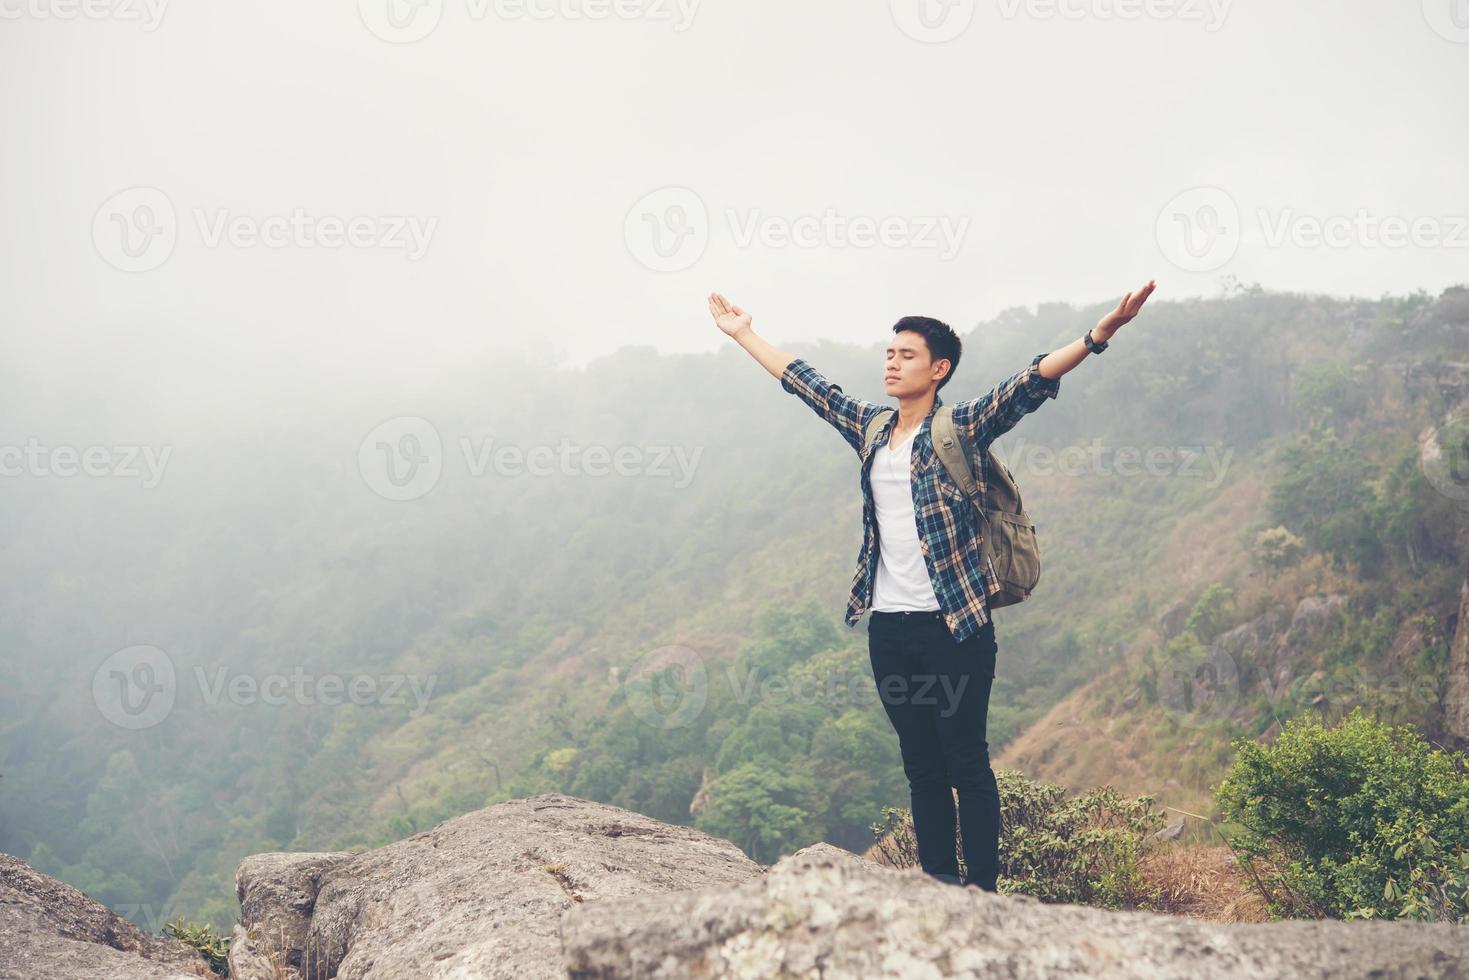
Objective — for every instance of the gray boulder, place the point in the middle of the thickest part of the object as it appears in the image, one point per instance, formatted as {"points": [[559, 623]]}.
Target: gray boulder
{"points": [[480, 895], [48, 929], [823, 912]]}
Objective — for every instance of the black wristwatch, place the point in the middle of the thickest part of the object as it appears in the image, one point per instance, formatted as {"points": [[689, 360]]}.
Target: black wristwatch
{"points": [[1092, 345]]}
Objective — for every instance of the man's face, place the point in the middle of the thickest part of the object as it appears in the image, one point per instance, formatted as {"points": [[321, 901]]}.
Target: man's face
{"points": [[910, 369]]}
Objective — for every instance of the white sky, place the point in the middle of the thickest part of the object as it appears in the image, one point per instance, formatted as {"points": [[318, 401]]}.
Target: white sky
{"points": [[1058, 145]]}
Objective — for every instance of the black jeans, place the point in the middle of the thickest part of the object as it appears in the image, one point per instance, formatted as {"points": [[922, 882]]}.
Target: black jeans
{"points": [[937, 695]]}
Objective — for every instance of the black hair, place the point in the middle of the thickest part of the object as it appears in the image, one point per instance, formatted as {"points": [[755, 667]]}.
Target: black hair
{"points": [[941, 339]]}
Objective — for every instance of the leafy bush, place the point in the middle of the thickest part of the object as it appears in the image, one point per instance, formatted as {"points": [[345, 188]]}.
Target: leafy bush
{"points": [[1361, 820], [1085, 849]]}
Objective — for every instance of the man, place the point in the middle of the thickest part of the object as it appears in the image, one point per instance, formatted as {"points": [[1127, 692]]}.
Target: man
{"points": [[931, 640]]}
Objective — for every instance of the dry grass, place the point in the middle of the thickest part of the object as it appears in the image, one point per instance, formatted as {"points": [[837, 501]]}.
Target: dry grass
{"points": [[1197, 880], [1202, 882]]}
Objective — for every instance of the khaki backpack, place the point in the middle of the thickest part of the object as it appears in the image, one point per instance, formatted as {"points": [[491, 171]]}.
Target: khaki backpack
{"points": [[1007, 539]]}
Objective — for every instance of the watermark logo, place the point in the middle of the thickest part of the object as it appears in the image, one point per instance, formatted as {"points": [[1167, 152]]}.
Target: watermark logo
{"points": [[1202, 461], [1443, 456], [1211, 13], [667, 687], [1198, 687], [135, 687], [135, 230], [35, 459], [407, 21], [932, 21], [832, 229], [303, 688], [1363, 230], [1199, 230], [401, 459], [668, 230], [147, 14], [1448, 18], [401, 21]]}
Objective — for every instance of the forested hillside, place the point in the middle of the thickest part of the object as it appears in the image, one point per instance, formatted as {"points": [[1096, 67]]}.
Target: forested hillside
{"points": [[1236, 517]]}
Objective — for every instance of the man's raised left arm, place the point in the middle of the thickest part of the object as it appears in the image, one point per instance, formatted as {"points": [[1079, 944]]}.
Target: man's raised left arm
{"points": [[991, 415]]}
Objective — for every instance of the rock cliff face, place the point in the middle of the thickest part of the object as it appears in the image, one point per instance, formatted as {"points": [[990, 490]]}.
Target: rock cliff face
{"points": [[49, 930], [825, 913], [553, 886], [480, 895]]}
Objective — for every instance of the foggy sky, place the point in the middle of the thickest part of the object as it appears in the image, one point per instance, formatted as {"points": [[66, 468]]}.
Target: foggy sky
{"points": [[1063, 152]]}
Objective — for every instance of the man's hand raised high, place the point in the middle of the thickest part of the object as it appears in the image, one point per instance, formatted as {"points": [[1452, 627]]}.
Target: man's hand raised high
{"points": [[730, 318]]}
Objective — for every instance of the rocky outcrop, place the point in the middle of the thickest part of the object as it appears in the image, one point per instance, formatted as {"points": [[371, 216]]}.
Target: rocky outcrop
{"points": [[825, 913], [277, 894], [50, 929], [554, 886], [480, 895]]}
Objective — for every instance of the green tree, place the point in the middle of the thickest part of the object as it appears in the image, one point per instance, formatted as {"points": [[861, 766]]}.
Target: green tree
{"points": [[1276, 550], [766, 811]]}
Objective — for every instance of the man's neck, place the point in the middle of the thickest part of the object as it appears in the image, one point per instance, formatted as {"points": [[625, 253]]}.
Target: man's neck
{"points": [[912, 411]]}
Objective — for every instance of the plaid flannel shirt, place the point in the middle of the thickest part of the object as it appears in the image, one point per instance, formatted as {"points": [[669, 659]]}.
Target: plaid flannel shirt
{"points": [[947, 531]]}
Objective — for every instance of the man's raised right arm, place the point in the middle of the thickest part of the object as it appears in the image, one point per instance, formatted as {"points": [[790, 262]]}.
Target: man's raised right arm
{"points": [[846, 414], [736, 323]]}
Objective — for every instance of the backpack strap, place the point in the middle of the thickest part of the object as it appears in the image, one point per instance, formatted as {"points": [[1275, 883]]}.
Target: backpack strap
{"points": [[954, 448], [953, 451], [874, 428]]}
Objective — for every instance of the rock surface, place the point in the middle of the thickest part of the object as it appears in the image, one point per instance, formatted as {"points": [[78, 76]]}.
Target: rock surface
{"points": [[480, 895], [50, 929], [826, 913], [277, 894]]}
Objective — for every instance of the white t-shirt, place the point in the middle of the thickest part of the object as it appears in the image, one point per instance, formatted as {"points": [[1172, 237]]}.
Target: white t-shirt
{"points": [[902, 577]]}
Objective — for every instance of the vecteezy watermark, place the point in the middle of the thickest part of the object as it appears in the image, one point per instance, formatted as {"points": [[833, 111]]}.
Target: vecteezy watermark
{"points": [[137, 687], [1201, 461], [1202, 686], [1198, 687], [938, 21], [932, 21], [146, 915], [403, 459], [147, 14], [34, 459], [1443, 456], [1448, 18], [667, 687], [221, 686], [137, 229], [669, 229], [1201, 229], [406, 21], [1363, 230], [1210, 13]]}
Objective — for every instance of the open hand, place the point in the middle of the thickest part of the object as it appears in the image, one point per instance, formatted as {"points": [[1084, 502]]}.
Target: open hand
{"points": [[730, 318], [1126, 310]]}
